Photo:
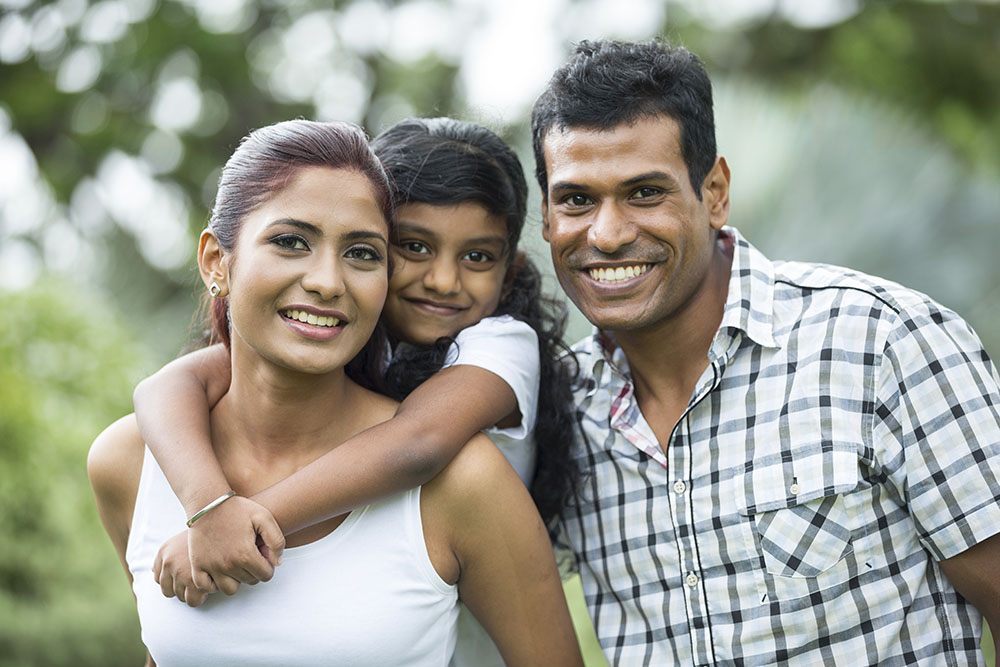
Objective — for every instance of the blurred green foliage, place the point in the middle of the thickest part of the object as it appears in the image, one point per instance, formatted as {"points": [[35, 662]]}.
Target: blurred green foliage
{"points": [[67, 365], [872, 141]]}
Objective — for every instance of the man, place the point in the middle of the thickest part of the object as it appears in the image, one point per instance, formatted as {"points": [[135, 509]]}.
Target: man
{"points": [[782, 462]]}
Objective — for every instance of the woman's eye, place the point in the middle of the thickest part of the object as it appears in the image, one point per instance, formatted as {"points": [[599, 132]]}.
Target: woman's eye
{"points": [[364, 253], [291, 242]]}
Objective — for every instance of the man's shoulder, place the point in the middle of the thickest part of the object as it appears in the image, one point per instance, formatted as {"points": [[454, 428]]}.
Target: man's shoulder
{"points": [[847, 286]]}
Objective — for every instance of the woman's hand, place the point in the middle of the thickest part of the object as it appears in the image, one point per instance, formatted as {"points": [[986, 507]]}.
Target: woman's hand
{"points": [[237, 542]]}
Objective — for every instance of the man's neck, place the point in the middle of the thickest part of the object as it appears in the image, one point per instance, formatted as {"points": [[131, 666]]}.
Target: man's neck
{"points": [[666, 361]]}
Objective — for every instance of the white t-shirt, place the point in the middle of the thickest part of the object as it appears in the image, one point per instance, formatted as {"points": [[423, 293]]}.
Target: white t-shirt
{"points": [[366, 594], [508, 348]]}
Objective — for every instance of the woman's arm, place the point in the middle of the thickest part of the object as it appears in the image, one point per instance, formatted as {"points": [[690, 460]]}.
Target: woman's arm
{"points": [[507, 574], [114, 466]]}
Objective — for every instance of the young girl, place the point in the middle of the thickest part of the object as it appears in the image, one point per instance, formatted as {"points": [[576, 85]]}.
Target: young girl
{"points": [[302, 224], [460, 297]]}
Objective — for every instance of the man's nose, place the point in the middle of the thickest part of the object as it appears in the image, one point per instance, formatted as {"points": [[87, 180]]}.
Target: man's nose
{"points": [[611, 229]]}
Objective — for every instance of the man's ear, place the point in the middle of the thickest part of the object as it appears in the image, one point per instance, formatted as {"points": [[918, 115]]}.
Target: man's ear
{"points": [[213, 263], [715, 193], [515, 265]]}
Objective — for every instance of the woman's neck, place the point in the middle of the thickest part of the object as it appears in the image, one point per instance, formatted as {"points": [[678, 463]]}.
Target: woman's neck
{"points": [[273, 421]]}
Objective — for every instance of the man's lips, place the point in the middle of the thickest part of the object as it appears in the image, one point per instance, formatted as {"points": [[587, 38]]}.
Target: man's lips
{"points": [[615, 275]]}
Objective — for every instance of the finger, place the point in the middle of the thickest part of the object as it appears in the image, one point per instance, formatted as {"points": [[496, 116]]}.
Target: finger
{"points": [[157, 566], [226, 584], [195, 597], [180, 591], [203, 581], [270, 541], [166, 582], [256, 568]]}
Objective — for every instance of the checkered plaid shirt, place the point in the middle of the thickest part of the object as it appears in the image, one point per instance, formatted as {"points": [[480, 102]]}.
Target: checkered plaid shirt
{"points": [[844, 438]]}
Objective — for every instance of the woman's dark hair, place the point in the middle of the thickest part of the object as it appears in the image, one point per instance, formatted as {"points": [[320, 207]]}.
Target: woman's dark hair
{"points": [[442, 161], [265, 161]]}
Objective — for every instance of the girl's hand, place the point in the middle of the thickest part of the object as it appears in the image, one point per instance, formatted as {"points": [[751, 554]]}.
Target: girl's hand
{"points": [[237, 542], [172, 571]]}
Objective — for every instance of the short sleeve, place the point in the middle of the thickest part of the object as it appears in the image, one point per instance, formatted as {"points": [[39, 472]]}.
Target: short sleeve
{"points": [[508, 348], [937, 429]]}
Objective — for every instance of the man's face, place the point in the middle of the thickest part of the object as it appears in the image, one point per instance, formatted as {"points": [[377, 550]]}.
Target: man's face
{"points": [[631, 243]]}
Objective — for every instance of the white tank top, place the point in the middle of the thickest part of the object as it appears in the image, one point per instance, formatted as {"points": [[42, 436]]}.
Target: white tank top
{"points": [[366, 594]]}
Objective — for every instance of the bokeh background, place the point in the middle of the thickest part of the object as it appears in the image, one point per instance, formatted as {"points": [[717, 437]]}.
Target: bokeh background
{"points": [[864, 133]]}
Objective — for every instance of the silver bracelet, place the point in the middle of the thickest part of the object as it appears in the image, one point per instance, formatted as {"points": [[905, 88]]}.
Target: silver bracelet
{"points": [[209, 507]]}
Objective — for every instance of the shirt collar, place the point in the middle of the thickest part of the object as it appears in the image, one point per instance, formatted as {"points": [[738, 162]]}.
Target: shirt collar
{"points": [[750, 303]]}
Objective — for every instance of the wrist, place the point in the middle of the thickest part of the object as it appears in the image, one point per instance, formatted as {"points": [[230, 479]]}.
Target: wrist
{"points": [[211, 505]]}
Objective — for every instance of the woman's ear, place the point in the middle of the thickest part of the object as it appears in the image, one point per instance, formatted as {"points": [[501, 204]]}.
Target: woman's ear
{"points": [[213, 264], [515, 265]]}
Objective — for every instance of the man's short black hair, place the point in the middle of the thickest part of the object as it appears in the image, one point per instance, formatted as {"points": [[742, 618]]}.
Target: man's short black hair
{"points": [[607, 83]]}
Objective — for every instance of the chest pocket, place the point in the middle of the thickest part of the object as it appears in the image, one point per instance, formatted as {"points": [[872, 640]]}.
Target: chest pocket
{"points": [[798, 513]]}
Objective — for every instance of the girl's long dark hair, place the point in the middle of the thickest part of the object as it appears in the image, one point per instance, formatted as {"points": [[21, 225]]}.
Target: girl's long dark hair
{"points": [[442, 161]]}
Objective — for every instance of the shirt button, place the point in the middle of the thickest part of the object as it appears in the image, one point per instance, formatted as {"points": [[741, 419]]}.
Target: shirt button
{"points": [[691, 579], [679, 487], [794, 489]]}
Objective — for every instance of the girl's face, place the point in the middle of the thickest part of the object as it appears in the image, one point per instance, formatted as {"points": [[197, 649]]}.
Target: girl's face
{"points": [[451, 262], [309, 277]]}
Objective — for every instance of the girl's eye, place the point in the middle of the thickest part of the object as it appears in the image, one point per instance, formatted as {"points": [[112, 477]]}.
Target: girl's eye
{"points": [[415, 247], [364, 253], [477, 257], [290, 242]]}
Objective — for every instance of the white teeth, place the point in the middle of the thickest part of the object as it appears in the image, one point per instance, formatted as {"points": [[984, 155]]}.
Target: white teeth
{"points": [[618, 274], [309, 318]]}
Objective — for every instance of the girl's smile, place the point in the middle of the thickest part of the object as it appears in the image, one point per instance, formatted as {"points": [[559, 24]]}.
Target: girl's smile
{"points": [[451, 262]]}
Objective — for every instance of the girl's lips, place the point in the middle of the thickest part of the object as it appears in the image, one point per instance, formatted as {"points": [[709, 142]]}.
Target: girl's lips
{"points": [[435, 308]]}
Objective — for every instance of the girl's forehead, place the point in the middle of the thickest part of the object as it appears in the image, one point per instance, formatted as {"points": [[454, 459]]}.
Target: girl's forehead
{"points": [[465, 221]]}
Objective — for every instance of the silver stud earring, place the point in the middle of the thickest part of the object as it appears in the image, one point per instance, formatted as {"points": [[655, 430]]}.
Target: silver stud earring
{"points": [[214, 290]]}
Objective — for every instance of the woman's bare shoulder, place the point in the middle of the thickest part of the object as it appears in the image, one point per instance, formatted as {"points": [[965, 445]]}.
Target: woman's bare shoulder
{"points": [[476, 479], [114, 463]]}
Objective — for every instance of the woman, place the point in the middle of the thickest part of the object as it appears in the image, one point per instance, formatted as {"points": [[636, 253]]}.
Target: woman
{"points": [[301, 226]]}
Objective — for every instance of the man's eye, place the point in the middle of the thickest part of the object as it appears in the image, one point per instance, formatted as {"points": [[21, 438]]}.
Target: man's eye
{"points": [[645, 193], [577, 200], [291, 242]]}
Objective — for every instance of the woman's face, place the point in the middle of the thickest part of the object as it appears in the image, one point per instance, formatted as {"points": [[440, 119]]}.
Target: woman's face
{"points": [[450, 267], [308, 279]]}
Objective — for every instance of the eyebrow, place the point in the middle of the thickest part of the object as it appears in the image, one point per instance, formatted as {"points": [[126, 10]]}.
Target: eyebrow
{"points": [[655, 175], [308, 227], [413, 228]]}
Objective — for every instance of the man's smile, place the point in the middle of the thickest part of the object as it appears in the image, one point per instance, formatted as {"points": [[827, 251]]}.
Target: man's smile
{"points": [[617, 274]]}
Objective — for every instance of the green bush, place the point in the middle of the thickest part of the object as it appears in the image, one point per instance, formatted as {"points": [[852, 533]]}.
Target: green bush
{"points": [[67, 366]]}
